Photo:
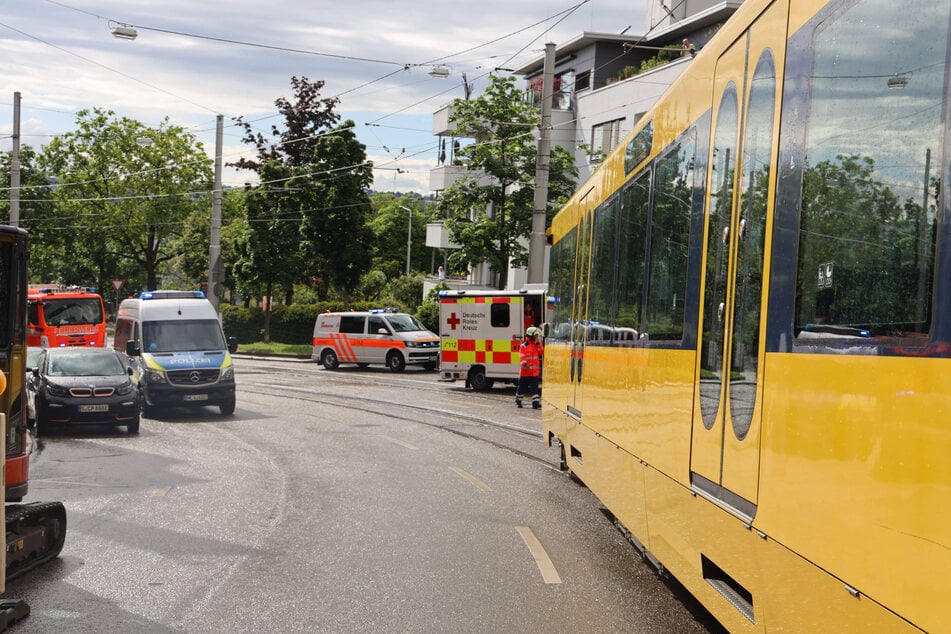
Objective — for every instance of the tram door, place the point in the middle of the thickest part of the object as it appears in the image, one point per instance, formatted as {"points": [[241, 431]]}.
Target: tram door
{"points": [[726, 426], [579, 307]]}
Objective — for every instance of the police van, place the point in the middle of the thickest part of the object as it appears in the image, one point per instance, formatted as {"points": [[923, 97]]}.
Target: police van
{"points": [[480, 333], [176, 341], [377, 336]]}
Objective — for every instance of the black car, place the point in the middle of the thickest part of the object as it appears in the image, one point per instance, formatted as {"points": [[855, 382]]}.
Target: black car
{"points": [[72, 386]]}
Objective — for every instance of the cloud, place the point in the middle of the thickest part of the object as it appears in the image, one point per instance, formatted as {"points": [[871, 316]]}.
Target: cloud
{"points": [[63, 59]]}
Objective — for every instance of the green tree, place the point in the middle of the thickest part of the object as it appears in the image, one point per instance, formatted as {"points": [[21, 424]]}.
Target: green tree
{"points": [[268, 252], [391, 228], [197, 235], [126, 201], [336, 239], [38, 213], [492, 222], [319, 193]]}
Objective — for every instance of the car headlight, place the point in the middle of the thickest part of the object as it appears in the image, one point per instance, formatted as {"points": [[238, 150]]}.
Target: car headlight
{"points": [[227, 373], [55, 390], [411, 344], [156, 376], [124, 389]]}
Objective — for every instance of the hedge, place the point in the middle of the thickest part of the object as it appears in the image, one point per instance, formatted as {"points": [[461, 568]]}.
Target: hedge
{"points": [[292, 324]]}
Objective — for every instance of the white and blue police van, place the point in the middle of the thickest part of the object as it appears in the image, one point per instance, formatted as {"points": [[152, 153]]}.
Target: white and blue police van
{"points": [[175, 340]]}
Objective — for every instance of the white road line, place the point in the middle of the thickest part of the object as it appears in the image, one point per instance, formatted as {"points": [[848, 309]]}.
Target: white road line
{"points": [[476, 482], [545, 565]]}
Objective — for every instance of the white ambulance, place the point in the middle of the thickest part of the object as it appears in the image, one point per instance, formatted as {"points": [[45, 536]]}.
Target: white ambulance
{"points": [[378, 336], [480, 332]]}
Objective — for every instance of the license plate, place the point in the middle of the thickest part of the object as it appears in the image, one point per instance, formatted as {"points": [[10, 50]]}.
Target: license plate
{"points": [[93, 408], [196, 397]]}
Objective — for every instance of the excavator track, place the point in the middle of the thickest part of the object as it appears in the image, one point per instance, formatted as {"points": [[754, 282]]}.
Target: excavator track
{"points": [[36, 533]]}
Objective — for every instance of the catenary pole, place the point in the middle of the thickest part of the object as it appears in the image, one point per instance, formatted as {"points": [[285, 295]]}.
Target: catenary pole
{"points": [[536, 245], [15, 164], [215, 289]]}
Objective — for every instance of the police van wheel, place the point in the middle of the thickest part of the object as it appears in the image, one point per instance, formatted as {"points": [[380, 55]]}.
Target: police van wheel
{"points": [[227, 409], [330, 360], [395, 362], [479, 381]]}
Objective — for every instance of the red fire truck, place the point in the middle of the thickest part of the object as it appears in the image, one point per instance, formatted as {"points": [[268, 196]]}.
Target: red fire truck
{"points": [[60, 315]]}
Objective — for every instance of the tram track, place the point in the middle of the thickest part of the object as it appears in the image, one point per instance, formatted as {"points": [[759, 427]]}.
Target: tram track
{"points": [[450, 421]]}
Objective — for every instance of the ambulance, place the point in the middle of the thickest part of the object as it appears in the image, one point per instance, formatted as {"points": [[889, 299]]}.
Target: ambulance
{"points": [[378, 336], [480, 332]]}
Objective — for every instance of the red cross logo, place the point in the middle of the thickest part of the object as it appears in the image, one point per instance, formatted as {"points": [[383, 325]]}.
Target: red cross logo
{"points": [[453, 321]]}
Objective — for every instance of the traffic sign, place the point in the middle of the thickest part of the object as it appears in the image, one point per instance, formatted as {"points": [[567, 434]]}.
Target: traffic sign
{"points": [[117, 284]]}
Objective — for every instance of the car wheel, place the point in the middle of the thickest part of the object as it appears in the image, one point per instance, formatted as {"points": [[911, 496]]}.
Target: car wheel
{"points": [[227, 409], [395, 362], [329, 359], [133, 426], [479, 381]]}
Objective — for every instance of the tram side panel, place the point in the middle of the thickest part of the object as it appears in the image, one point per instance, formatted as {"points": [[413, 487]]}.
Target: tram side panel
{"points": [[849, 529]]}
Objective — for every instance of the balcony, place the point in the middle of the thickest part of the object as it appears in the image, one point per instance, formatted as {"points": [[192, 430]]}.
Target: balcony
{"points": [[443, 176]]}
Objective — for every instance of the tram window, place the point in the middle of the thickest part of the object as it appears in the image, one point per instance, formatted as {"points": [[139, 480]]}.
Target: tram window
{"points": [[560, 276], [601, 307], [670, 228], [639, 148], [748, 272], [632, 236], [6, 284], [719, 211], [870, 185]]}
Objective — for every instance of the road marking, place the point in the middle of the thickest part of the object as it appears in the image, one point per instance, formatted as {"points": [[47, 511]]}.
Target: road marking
{"points": [[161, 492], [545, 565], [476, 482], [94, 485], [400, 443]]}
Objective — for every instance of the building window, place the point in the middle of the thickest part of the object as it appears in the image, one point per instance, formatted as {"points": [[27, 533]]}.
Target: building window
{"points": [[604, 137], [583, 81]]}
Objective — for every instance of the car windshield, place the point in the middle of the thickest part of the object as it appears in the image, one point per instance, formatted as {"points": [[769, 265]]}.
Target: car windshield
{"points": [[87, 363], [182, 335], [405, 323]]}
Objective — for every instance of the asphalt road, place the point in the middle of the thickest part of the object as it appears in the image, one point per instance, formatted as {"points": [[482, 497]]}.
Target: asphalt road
{"points": [[347, 501]]}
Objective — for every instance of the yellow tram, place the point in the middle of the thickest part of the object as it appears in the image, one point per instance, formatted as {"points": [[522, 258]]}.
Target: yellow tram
{"points": [[777, 436]]}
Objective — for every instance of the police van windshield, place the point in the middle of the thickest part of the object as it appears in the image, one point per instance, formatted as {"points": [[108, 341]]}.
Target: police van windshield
{"points": [[405, 323], [182, 335]]}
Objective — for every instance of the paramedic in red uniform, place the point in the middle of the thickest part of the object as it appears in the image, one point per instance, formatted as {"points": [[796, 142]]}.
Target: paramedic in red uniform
{"points": [[530, 368]]}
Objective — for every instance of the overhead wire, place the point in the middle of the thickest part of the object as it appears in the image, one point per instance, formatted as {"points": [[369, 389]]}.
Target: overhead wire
{"points": [[563, 15]]}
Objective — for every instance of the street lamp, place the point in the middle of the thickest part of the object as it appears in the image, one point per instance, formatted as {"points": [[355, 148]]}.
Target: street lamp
{"points": [[409, 235], [124, 32]]}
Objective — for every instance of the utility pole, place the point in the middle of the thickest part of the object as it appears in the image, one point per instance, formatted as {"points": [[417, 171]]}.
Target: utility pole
{"points": [[215, 276], [15, 164], [409, 235], [537, 243]]}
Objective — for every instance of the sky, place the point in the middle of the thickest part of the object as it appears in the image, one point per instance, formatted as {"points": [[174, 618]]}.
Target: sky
{"points": [[195, 60]]}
